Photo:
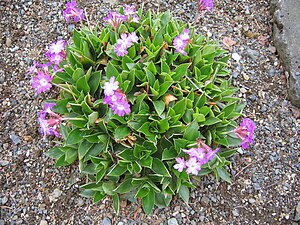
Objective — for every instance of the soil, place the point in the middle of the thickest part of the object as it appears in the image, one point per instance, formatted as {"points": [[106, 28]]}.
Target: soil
{"points": [[265, 187]]}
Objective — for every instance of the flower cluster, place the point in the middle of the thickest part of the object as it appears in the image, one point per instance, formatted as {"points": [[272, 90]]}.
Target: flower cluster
{"points": [[49, 120], [115, 18], [72, 12], [205, 5], [115, 98], [181, 41], [55, 54], [125, 42], [198, 157], [245, 132]]}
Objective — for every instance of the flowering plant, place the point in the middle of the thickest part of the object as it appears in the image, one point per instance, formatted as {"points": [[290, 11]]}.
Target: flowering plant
{"points": [[145, 105]]}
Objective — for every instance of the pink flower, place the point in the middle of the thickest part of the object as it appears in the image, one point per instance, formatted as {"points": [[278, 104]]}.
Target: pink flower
{"points": [[115, 98], [125, 42], [181, 41], [42, 82], [110, 87], [193, 166], [180, 164], [72, 12], [245, 132], [114, 19], [49, 126], [129, 10], [205, 5]]}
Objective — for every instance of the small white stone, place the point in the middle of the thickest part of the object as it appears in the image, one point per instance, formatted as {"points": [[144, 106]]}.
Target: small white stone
{"points": [[236, 57]]}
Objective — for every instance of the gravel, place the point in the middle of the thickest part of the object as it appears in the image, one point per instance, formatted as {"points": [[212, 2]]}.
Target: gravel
{"points": [[265, 187]]}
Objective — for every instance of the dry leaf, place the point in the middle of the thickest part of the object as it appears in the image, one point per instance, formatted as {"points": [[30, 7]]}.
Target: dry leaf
{"points": [[228, 43]]}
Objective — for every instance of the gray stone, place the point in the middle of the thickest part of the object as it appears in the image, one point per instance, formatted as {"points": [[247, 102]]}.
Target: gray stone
{"points": [[106, 221], [15, 139], [286, 33], [297, 213], [2, 222], [235, 212], [4, 200], [172, 221]]}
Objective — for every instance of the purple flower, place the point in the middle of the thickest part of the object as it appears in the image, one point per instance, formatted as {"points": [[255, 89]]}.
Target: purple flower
{"points": [[125, 42], [72, 12], [135, 19], [121, 108], [193, 166], [49, 126], [185, 36], [181, 41], [115, 98], [42, 82], [33, 68], [133, 37], [48, 107], [129, 10], [110, 87], [57, 47], [245, 132], [205, 5], [114, 19], [198, 153], [180, 164]]}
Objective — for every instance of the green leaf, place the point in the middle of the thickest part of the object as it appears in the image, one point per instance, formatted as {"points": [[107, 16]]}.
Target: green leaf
{"points": [[121, 133], [78, 73], [210, 121], [81, 84], [71, 155], [111, 71], [124, 187], [116, 203], [180, 107], [74, 137], [169, 154], [148, 201], [93, 117], [192, 131], [159, 107], [83, 148], [117, 171], [223, 174], [98, 196], [184, 193], [159, 168], [94, 81], [180, 71], [54, 153]]}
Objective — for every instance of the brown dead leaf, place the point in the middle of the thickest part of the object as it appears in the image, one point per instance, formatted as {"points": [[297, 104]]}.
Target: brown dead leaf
{"points": [[228, 43]]}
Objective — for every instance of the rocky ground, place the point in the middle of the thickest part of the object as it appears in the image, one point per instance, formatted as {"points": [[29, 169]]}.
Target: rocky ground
{"points": [[266, 185]]}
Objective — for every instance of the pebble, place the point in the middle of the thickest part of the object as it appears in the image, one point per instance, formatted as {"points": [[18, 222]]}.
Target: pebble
{"points": [[252, 200], [53, 197], [2, 222], [15, 139], [120, 223], [243, 90], [4, 200], [236, 57], [4, 163], [106, 221], [246, 77], [235, 212], [8, 42], [172, 221], [43, 222]]}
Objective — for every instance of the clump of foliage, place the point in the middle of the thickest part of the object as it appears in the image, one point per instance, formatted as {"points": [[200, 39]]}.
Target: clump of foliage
{"points": [[145, 106]]}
